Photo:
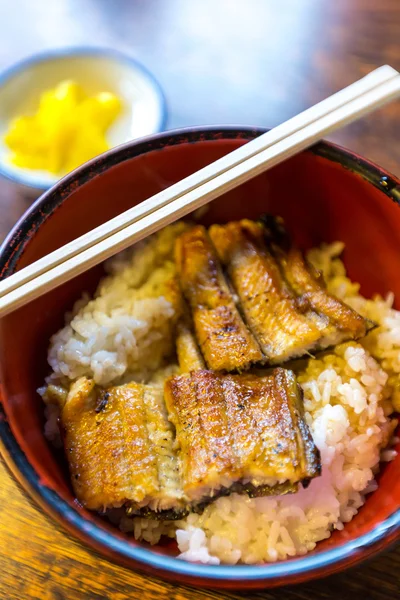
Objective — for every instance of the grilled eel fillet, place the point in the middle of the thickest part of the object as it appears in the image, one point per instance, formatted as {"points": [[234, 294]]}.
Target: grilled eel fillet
{"points": [[119, 445], [308, 284], [225, 341], [240, 433], [283, 302], [187, 350]]}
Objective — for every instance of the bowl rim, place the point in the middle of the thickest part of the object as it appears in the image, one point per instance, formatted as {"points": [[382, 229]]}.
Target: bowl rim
{"points": [[57, 54], [297, 569]]}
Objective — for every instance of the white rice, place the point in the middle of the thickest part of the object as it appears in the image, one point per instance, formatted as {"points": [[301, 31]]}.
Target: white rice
{"points": [[124, 333]]}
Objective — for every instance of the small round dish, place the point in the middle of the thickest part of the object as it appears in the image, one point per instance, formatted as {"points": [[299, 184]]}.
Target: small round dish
{"points": [[325, 194], [144, 108]]}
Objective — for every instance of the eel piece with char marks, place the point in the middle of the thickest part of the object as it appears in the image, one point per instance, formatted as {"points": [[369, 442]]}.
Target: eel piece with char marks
{"points": [[187, 349], [283, 302], [225, 341], [119, 445], [240, 433]]}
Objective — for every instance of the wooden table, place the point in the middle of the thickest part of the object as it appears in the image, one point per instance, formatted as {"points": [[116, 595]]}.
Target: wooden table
{"points": [[255, 62]]}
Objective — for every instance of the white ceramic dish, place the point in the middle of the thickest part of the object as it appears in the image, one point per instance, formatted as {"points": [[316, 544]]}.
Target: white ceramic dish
{"points": [[144, 108]]}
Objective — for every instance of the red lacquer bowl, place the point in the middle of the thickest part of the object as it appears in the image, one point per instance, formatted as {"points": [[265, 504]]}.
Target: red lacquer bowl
{"points": [[324, 194]]}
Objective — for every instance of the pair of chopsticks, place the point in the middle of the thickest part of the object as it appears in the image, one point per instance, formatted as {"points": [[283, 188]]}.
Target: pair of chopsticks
{"points": [[189, 194]]}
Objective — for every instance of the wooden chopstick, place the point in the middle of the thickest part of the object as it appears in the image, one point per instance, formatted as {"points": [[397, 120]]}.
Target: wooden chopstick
{"points": [[202, 194], [147, 207]]}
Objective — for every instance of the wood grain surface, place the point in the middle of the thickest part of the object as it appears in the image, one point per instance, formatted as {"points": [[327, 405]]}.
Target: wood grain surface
{"points": [[219, 61]]}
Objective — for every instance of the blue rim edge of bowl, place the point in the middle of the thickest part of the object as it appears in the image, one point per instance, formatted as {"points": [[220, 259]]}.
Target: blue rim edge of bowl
{"points": [[71, 51], [321, 563]]}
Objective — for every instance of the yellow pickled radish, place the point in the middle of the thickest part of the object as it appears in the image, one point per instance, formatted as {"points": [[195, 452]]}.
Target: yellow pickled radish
{"points": [[70, 92], [101, 109], [29, 161], [65, 97], [24, 135], [88, 142], [67, 129]]}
